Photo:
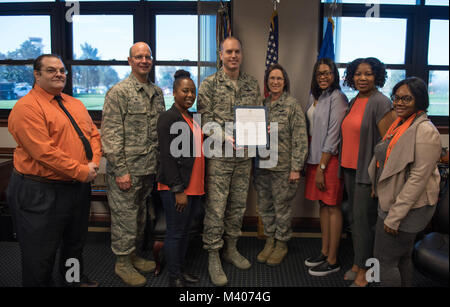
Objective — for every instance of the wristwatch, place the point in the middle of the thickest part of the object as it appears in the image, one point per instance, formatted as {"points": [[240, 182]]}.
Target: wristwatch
{"points": [[323, 166]]}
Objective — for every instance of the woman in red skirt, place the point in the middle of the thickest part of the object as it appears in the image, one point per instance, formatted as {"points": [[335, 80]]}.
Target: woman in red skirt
{"points": [[326, 109]]}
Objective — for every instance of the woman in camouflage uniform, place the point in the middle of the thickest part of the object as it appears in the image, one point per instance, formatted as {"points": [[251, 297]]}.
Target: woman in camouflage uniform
{"points": [[276, 186]]}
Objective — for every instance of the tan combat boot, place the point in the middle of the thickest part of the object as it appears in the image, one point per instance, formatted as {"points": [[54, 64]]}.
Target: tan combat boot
{"points": [[125, 270], [232, 255], [215, 270], [278, 253], [268, 249], [142, 264]]}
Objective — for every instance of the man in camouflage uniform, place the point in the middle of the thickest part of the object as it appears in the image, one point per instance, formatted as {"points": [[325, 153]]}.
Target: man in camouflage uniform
{"points": [[129, 142], [276, 186], [227, 178]]}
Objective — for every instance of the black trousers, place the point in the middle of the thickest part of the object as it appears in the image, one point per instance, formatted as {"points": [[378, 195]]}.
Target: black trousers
{"points": [[177, 231], [47, 216]]}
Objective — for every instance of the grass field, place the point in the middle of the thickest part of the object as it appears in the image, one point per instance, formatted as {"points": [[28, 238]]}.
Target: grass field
{"points": [[93, 102]]}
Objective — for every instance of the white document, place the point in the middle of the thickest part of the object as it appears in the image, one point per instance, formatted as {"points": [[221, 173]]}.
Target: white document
{"points": [[251, 126]]}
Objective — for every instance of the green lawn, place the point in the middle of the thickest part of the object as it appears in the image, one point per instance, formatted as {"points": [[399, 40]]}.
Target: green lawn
{"points": [[93, 102]]}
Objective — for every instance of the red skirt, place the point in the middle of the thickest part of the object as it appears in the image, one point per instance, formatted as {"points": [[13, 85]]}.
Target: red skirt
{"points": [[334, 186]]}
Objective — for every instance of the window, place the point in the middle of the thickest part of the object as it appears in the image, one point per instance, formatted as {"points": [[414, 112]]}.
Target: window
{"points": [[31, 38], [90, 83], [411, 37], [95, 44], [438, 90], [164, 79], [359, 38], [99, 38], [102, 37], [438, 61], [177, 43], [175, 46], [393, 76], [436, 2]]}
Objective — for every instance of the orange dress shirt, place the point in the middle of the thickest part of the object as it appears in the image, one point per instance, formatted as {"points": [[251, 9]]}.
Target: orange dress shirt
{"points": [[47, 143], [351, 132]]}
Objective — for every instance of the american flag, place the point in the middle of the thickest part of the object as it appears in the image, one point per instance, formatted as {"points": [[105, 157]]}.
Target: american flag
{"points": [[272, 45]]}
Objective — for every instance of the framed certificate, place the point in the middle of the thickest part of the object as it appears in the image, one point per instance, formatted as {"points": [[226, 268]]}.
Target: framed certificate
{"points": [[250, 126]]}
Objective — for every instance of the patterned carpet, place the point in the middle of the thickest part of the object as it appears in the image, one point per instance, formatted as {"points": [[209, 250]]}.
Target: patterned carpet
{"points": [[100, 260]]}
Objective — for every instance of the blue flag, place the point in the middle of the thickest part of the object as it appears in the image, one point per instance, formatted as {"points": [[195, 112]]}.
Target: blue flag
{"points": [[327, 48]]}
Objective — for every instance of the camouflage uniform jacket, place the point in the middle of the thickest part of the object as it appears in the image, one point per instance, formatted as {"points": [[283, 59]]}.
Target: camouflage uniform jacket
{"points": [[129, 137], [292, 133], [218, 95]]}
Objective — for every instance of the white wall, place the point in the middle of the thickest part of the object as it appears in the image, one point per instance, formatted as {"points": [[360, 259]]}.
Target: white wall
{"points": [[298, 39], [6, 139]]}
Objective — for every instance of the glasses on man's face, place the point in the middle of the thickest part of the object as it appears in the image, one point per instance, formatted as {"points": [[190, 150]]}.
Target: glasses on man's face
{"points": [[407, 99], [142, 57], [320, 74], [53, 71], [276, 79]]}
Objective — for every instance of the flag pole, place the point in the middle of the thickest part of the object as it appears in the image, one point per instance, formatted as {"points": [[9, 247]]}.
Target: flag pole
{"points": [[275, 4], [271, 58]]}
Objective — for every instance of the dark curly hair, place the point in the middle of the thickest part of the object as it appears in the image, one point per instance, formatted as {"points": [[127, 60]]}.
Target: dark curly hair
{"points": [[378, 69], [418, 89], [316, 91]]}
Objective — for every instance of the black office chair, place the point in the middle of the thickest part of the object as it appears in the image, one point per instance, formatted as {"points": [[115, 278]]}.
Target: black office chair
{"points": [[430, 255]]}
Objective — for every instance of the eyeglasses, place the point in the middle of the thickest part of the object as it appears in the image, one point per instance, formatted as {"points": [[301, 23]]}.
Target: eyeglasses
{"points": [[276, 79], [142, 57], [52, 71], [405, 99], [323, 74]]}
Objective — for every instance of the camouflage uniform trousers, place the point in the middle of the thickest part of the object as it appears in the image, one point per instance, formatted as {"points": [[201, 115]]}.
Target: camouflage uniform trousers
{"points": [[275, 193], [128, 213], [226, 200]]}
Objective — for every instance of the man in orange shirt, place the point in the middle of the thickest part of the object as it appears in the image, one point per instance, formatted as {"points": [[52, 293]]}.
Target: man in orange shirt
{"points": [[49, 190]]}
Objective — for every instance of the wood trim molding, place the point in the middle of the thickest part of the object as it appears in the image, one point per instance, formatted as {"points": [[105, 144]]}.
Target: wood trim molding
{"points": [[6, 152], [442, 129]]}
